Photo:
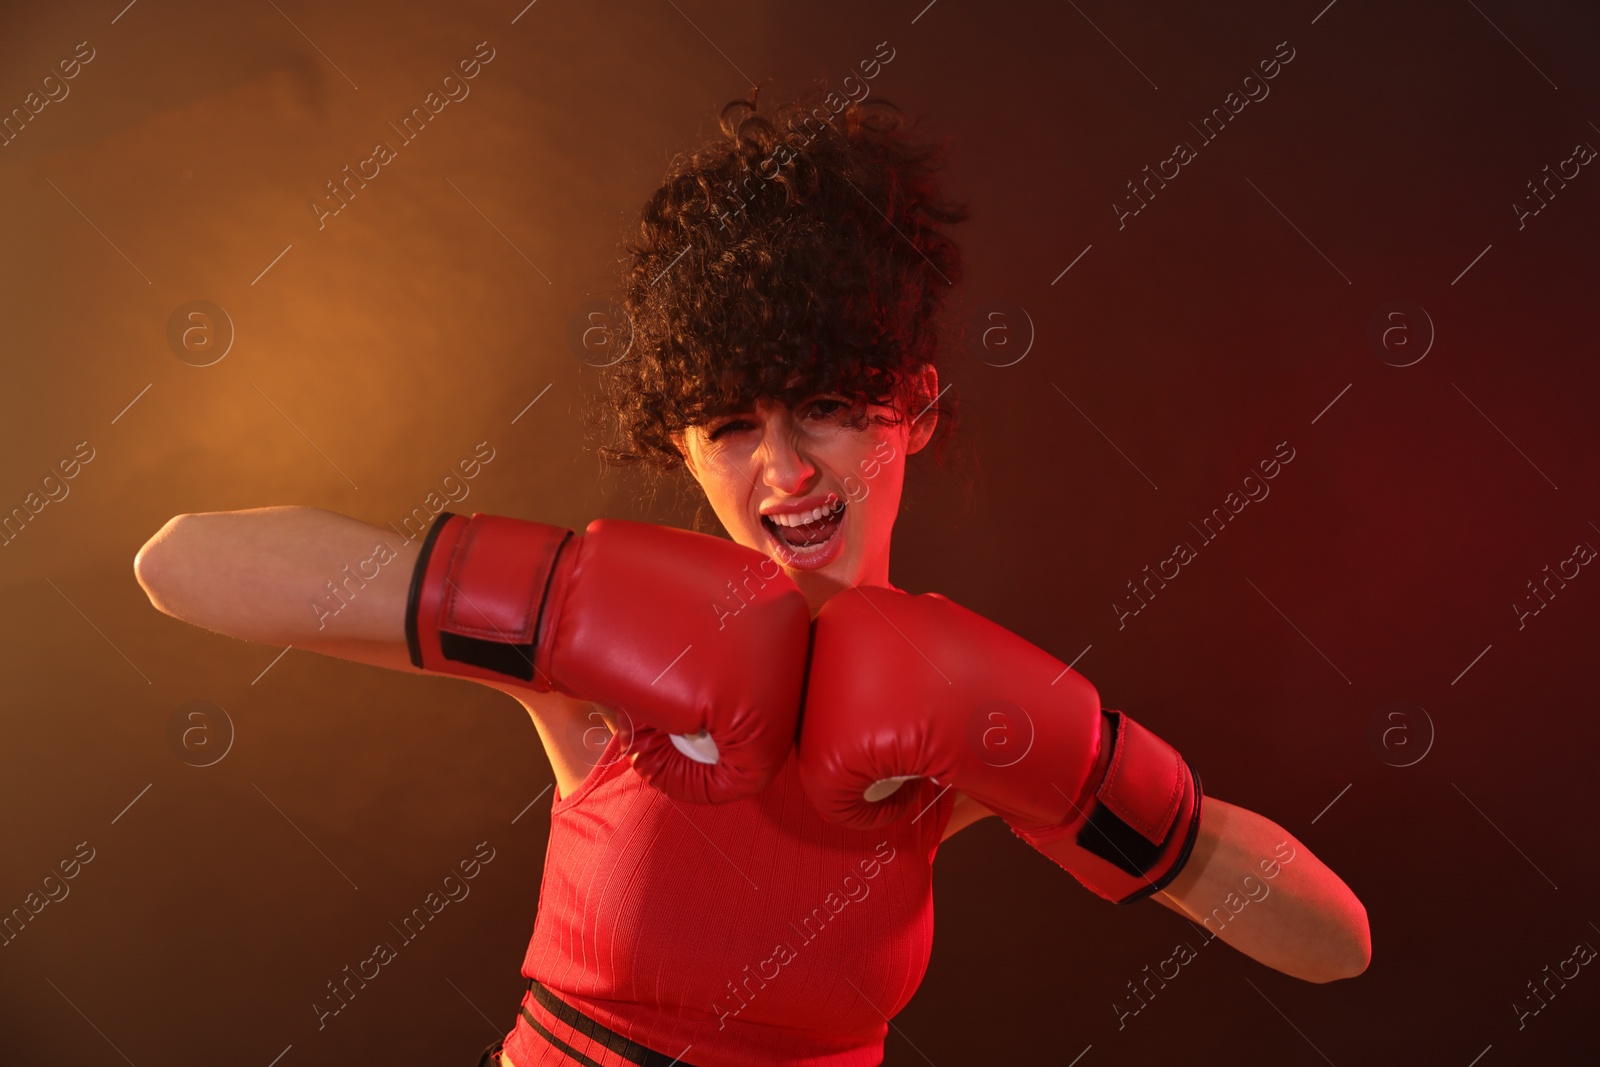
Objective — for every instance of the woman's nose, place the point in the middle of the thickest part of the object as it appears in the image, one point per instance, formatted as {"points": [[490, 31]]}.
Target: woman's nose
{"points": [[784, 464]]}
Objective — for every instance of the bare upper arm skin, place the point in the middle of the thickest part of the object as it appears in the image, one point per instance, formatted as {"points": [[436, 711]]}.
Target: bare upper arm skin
{"points": [[965, 812], [1272, 898], [282, 575]]}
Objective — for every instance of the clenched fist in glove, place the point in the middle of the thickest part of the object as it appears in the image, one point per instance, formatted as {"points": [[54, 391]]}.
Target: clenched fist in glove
{"points": [[622, 615], [906, 686]]}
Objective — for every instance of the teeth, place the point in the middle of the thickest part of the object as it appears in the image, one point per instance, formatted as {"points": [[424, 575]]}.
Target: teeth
{"points": [[803, 517]]}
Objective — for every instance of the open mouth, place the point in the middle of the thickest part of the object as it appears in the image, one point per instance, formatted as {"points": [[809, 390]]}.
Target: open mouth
{"points": [[809, 541]]}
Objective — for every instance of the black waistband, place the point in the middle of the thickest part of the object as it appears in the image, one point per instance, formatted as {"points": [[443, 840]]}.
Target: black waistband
{"points": [[631, 1051]]}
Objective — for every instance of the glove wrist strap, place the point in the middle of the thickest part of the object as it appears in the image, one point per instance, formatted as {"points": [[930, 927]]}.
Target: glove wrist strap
{"points": [[1136, 830], [477, 594]]}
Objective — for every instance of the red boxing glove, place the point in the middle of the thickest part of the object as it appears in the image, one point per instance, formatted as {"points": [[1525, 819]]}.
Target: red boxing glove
{"points": [[905, 686], [625, 615]]}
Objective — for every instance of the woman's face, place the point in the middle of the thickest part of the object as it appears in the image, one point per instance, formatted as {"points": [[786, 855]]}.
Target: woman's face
{"points": [[815, 488]]}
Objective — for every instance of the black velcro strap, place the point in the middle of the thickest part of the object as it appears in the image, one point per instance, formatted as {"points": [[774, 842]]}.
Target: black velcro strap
{"points": [[514, 661], [1119, 844], [631, 1051], [413, 646]]}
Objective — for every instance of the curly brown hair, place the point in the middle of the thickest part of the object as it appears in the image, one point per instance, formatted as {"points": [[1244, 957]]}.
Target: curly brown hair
{"points": [[800, 252]]}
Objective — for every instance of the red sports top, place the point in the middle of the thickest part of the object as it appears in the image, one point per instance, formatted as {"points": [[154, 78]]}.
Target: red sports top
{"points": [[732, 935]]}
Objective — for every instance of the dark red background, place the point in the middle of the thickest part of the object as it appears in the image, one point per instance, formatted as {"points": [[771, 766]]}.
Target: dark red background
{"points": [[1190, 343]]}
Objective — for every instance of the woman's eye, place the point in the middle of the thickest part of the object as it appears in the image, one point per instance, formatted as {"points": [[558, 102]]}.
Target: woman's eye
{"points": [[829, 407], [736, 424]]}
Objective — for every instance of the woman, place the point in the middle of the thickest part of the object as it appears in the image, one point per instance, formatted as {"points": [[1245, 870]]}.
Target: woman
{"points": [[783, 289]]}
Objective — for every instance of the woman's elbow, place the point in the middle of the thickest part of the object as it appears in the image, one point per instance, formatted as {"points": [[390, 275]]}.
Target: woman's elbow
{"points": [[1361, 944], [1353, 949], [152, 566], [170, 568]]}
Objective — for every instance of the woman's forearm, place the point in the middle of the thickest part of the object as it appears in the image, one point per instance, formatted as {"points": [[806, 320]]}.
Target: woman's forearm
{"points": [[1251, 883], [284, 575]]}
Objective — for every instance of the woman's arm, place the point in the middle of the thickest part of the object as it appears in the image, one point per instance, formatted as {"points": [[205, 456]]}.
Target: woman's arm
{"points": [[300, 576], [1251, 883], [305, 577], [314, 579], [281, 575]]}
